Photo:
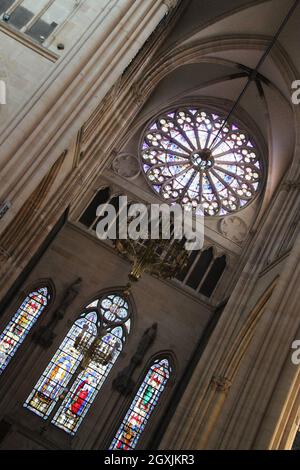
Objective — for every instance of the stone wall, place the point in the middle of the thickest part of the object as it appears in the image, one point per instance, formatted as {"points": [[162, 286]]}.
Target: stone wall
{"points": [[181, 320]]}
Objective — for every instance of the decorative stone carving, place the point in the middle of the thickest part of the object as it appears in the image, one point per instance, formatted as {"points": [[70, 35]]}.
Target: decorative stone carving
{"points": [[127, 166], [4, 207], [233, 228], [124, 383], [289, 184], [222, 384], [138, 94], [45, 335], [4, 255], [170, 4]]}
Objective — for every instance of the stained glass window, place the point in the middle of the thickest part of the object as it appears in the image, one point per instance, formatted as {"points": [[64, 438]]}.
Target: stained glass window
{"points": [[17, 329], [142, 406], [190, 157], [74, 376]]}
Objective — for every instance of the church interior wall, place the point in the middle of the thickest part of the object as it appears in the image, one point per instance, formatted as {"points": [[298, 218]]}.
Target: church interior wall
{"points": [[181, 322]]}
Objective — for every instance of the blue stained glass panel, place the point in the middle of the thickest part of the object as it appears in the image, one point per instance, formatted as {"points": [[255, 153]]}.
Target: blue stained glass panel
{"points": [[84, 390], [142, 406], [72, 379], [17, 329], [57, 375]]}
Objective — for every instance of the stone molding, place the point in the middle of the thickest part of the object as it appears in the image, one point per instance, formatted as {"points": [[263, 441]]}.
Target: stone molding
{"points": [[28, 42]]}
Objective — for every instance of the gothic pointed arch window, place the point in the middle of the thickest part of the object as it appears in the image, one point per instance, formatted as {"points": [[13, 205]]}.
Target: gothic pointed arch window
{"points": [[21, 323], [80, 366], [142, 406]]}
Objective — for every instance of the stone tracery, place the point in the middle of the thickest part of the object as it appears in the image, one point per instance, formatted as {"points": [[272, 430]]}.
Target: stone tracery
{"points": [[190, 158]]}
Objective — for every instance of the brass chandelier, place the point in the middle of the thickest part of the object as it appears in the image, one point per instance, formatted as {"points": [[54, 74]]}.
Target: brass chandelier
{"points": [[160, 258], [94, 348]]}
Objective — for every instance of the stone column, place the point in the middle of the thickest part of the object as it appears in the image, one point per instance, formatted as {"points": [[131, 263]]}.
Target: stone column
{"points": [[250, 349], [76, 96], [49, 122]]}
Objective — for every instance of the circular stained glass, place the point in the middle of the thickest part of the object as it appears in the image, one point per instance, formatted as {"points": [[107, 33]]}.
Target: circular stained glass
{"points": [[190, 157], [114, 308]]}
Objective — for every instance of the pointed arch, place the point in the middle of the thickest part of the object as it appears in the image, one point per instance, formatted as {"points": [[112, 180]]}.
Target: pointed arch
{"points": [[71, 381], [214, 276], [88, 215], [35, 301], [147, 397], [201, 268]]}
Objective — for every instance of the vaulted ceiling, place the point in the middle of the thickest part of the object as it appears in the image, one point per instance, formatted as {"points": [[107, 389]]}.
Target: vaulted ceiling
{"points": [[209, 56]]}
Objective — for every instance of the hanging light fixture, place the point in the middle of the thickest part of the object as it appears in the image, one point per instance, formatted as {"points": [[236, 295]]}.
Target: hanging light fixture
{"points": [[99, 349], [160, 258]]}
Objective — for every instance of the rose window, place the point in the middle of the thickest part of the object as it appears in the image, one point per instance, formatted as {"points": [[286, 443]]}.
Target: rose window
{"points": [[193, 157]]}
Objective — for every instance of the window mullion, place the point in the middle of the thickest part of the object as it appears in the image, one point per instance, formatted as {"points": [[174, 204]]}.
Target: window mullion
{"points": [[37, 16], [97, 218], [206, 274], [66, 390], [48, 41], [191, 268], [13, 7]]}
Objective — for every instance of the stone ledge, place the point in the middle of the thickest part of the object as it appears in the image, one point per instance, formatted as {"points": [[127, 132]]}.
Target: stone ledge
{"points": [[28, 42]]}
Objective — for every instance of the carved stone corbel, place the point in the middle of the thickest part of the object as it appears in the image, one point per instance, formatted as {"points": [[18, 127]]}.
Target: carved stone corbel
{"points": [[290, 184], [221, 384], [170, 4], [124, 383], [45, 335], [138, 95], [4, 255]]}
